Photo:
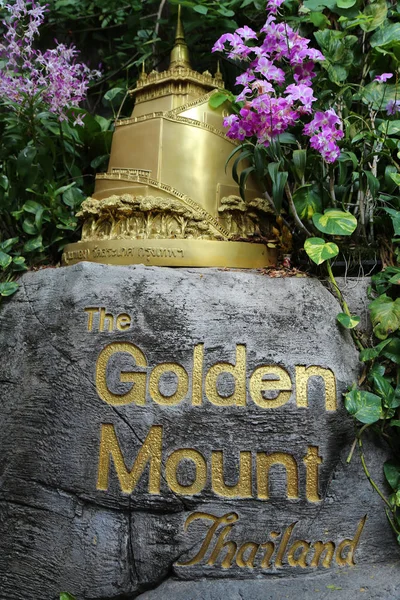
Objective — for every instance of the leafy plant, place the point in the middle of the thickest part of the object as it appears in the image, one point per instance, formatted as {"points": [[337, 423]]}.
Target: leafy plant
{"points": [[377, 407], [43, 142]]}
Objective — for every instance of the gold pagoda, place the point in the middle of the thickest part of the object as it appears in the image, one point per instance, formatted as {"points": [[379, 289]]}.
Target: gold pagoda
{"points": [[167, 198]]}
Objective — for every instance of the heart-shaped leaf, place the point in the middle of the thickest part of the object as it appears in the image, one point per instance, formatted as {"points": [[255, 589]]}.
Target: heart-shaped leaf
{"points": [[335, 222], [306, 201], [319, 251], [8, 288], [5, 259], [363, 406], [385, 316], [392, 473], [348, 321]]}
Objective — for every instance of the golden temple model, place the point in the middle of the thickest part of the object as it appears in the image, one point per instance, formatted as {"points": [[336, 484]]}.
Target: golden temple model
{"points": [[166, 198]]}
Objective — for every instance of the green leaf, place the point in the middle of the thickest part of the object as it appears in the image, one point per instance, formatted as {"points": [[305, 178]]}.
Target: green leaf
{"points": [[391, 469], [319, 5], [278, 188], [286, 138], [349, 156], [390, 127], [319, 251], [385, 316], [99, 160], [319, 20], [73, 197], [373, 183], [347, 321], [299, 159], [199, 8], [392, 350], [25, 159], [32, 207], [395, 216], [386, 35], [376, 14], [5, 259], [243, 178], [112, 94], [363, 406], [226, 12], [335, 222], [66, 596], [8, 244], [218, 99], [8, 288], [33, 244], [19, 263], [378, 94], [395, 177], [3, 182], [384, 389], [29, 227], [372, 353], [346, 3], [306, 201]]}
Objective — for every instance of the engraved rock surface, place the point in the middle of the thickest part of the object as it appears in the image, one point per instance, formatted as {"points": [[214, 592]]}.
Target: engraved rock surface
{"points": [[128, 458]]}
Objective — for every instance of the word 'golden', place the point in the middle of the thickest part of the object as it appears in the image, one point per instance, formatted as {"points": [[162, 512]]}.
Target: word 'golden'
{"points": [[151, 454], [217, 548], [269, 386]]}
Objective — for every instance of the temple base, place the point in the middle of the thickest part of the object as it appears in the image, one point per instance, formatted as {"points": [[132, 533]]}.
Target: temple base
{"points": [[172, 253]]}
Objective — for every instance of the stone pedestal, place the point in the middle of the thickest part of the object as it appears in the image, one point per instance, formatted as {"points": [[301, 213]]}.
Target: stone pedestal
{"points": [[181, 434]]}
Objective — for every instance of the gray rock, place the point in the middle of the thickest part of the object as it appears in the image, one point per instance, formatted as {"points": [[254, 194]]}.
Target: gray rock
{"points": [[73, 516]]}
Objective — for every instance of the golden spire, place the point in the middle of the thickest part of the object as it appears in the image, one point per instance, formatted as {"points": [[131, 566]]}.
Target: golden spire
{"points": [[218, 75], [143, 74], [180, 52]]}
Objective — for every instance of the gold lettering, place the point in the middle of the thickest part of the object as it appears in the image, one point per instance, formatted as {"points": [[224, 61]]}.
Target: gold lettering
{"points": [[238, 372], [281, 382], [123, 322], [103, 317], [311, 461], [217, 521], [320, 548], [241, 561], [269, 548], [283, 545], [137, 393], [91, 312], [171, 468], [264, 464], [197, 377], [303, 374], [242, 489], [150, 452], [221, 545], [352, 545], [181, 389], [300, 560]]}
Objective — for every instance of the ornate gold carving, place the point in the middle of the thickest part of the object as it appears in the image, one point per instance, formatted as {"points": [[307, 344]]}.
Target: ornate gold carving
{"points": [[142, 217], [155, 217]]}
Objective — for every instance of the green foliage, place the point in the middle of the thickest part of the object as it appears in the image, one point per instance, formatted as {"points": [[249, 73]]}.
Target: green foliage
{"points": [[45, 174], [377, 407], [363, 406], [66, 596], [335, 222], [319, 251], [348, 321]]}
